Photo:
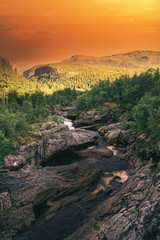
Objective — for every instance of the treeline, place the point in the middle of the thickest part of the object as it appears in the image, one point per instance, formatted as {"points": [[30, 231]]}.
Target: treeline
{"points": [[82, 77], [16, 117], [140, 95], [20, 108], [20, 112]]}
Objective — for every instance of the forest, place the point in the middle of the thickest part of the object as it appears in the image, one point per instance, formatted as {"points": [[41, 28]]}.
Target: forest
{"points": [[25, 102]]}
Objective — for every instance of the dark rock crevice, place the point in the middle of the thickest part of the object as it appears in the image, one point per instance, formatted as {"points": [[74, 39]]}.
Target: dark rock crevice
{"points": [[81, 199]]}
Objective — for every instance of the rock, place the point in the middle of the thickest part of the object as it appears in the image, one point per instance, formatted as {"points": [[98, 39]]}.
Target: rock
{"points": [[136, 150], [104, 152], [74, 202], [55, 139], [14, 162], [48, 126], [112, 137], [61, 139], [131, 147], [86, 118], [63, 111], [132, 214], [26, 191], [116, 135], [105, 129], [95, 152], [5, 202]]}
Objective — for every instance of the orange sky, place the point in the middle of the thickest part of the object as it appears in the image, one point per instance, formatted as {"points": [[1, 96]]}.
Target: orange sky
{"points": [[42, 31]]}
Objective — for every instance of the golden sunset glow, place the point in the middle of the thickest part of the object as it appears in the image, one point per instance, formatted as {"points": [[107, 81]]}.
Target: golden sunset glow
{"points": [[42, 31]]}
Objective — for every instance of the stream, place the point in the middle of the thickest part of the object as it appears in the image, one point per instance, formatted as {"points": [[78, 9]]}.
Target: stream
{"points": [[68, 218], [113, 166]]}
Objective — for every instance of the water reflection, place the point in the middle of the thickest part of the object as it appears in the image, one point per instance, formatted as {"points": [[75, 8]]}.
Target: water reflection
{"points": [[108, 177]]}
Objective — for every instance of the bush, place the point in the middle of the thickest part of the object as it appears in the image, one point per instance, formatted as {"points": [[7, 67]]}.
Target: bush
{"points": [[147, 116], [57, 119]]}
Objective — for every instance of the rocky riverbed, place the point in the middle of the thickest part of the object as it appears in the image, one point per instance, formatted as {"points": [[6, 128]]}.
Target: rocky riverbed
{"points": [[81, 184]]}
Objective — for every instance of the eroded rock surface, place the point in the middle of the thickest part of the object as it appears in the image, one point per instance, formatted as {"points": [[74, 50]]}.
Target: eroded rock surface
{"points": [[133, 148], [133, 213], [55, 139], [93, 119], [26, 194], [85, 200]]}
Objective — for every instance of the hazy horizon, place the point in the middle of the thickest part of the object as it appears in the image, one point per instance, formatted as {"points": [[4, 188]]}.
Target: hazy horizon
{"points": [[47, 31]]}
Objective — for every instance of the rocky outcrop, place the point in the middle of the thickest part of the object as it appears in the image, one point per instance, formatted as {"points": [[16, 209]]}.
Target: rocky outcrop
{"points": [[84, 200], [26, 194], [133, 147], [95, 152], [106, 115], [61, 139], [115, 134], [132, 214], [41, 202], [14, 162], [63, 111], [54, 139]]}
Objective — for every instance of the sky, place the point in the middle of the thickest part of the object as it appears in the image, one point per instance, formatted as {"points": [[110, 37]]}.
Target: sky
{"points": [[45, 31]]}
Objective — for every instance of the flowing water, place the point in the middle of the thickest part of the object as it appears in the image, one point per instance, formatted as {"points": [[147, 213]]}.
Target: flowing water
{"points": [[69, 123]]}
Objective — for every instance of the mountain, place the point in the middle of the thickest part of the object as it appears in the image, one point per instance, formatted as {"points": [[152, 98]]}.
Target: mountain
{"points": [[133, 60], [79, 72], [83, 72]]}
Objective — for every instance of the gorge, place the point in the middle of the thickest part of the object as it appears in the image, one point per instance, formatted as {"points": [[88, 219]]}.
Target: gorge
{"points": [[74, 183]]}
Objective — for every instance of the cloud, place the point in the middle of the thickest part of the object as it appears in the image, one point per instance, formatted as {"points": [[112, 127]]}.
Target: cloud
{"points": [[6, 28]]}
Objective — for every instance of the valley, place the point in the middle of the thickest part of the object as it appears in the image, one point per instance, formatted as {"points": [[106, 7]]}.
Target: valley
{"points": [[79, 149]]}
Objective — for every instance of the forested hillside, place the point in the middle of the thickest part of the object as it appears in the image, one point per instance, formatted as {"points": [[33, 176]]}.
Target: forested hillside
{"points": [[83, 72], [26, 101], [139, 95], [76, 75]]}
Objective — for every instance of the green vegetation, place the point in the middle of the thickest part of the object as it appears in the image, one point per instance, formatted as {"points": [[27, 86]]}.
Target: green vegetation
{"points": [[76, 75], [64, 97], [140, 95], [57, 119], [25, 102], [16, 118], [125, 91]]}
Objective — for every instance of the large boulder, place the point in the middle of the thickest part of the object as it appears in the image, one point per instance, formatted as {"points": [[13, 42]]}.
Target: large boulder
{"points": [[61, 139], [89, 118], [95, 152], [53, 139], [115, 134]]}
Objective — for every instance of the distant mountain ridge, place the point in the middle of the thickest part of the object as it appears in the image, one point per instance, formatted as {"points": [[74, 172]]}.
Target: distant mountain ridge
{"points": [[135, 60]]}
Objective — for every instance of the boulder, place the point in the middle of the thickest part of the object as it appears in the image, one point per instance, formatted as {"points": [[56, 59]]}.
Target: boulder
{"points": [[54, 139], [112, 137], [61, 139], [92, 117], [95, 152], [14, 162], [115, 134], [111, 127]]}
